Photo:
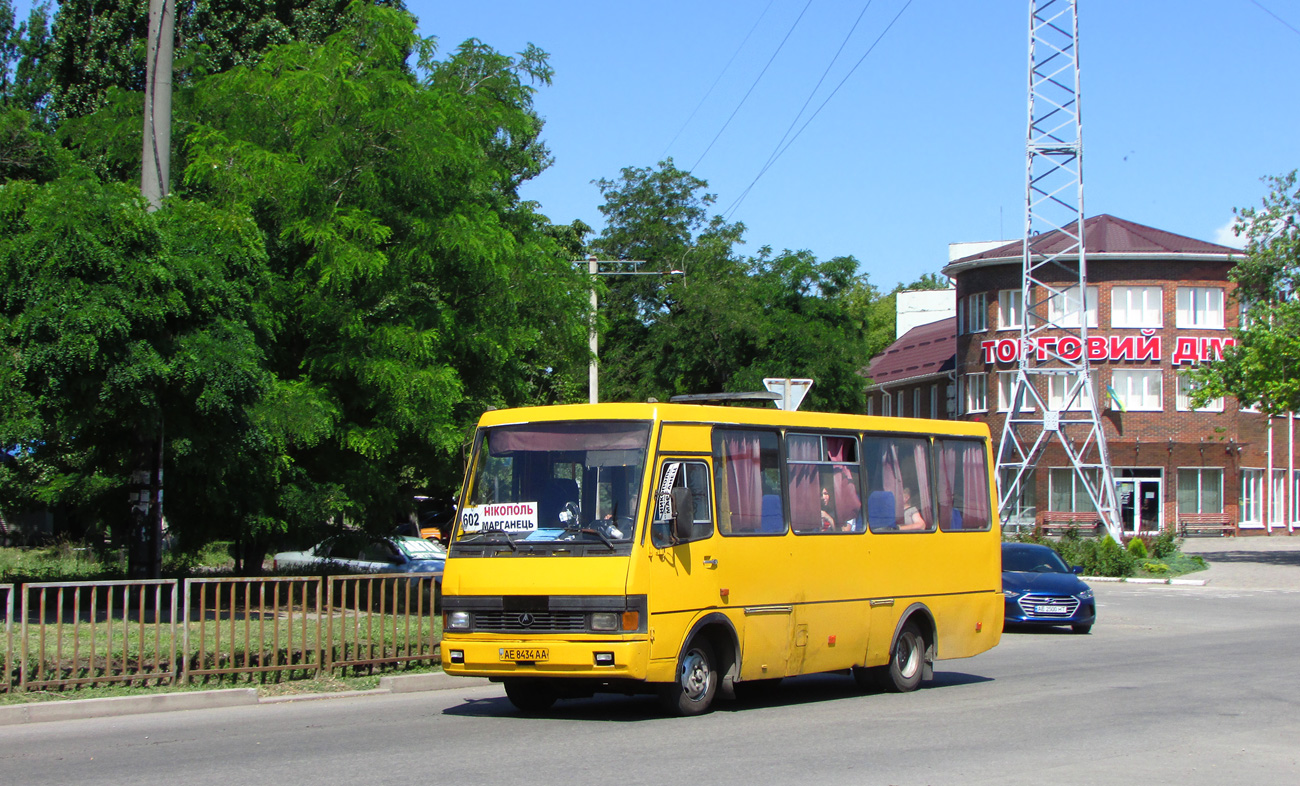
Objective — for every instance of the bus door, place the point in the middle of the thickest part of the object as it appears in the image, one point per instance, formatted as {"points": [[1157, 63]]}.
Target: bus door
{"points": [[706, 572]]}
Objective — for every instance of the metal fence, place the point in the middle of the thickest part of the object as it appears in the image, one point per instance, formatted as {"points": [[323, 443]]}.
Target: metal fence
{"points": [[162, 631], [77, 633], [7, 643]]}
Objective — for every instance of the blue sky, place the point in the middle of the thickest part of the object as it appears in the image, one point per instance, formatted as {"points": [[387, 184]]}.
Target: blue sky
{"points": [[1186, 105]]}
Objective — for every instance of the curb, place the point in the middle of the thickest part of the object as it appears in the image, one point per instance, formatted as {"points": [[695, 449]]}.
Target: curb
{"points": [[116, 706], [1181, 582]]}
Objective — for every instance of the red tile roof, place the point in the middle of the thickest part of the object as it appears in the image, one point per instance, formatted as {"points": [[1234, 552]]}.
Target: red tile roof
{"points": [[922, 351], [1106, 234]]}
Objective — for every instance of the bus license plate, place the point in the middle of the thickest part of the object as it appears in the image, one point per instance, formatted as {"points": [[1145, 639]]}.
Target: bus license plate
{"points": [[530, 654], [1050, 609]]}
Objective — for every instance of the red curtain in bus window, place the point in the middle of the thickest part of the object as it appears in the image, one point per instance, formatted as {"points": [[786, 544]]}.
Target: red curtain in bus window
{"points": [[805, 485], [975, 486], [920, 458], [744, 481], [948, 469], [892, 478], [848, 505], [963, 487]]}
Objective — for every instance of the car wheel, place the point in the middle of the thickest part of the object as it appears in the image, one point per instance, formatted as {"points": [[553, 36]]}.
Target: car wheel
{"points": [[696, 684], [531, 695], [907, 662], [1081, 628]]}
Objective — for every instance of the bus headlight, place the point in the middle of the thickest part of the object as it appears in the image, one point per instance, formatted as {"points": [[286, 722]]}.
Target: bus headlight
{"points": [[458, 620], [605, 620]]}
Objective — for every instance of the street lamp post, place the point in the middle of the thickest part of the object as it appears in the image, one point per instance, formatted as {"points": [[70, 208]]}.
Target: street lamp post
{"points": [[626, 267]]}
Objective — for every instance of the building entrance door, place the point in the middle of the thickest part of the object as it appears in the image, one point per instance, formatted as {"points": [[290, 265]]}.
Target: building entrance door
{"points": [[1139, 492]]}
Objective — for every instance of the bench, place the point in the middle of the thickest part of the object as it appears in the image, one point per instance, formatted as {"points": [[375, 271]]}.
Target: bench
{"points": [[1215, 524], [1059, 522]]}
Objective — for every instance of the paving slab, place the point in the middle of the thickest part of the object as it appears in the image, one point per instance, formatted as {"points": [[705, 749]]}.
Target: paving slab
{"points": [[1248, 562]]}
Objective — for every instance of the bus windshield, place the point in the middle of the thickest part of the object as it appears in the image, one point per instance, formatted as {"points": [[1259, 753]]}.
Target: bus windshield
{"points": [[555, 482]]}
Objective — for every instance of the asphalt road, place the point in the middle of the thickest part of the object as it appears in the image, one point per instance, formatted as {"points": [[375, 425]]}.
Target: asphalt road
{"points": [[1179, 685]]}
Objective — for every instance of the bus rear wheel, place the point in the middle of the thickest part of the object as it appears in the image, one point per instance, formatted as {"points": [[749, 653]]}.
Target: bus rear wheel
{"points": [[531, 695], [907, 662], [696, 684]]}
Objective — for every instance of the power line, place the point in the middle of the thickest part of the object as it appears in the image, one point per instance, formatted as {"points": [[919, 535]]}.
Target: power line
{"points": [[716, 81], [1275, 16], [751, 87], [772, 160]]}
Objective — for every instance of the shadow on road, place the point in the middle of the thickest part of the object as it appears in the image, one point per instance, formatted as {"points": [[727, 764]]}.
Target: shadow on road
{"points": [[792, 691]]}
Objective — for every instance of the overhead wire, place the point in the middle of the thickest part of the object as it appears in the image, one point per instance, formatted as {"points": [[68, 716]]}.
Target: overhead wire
{"points": [[771, 157], [1275, 16], [721, 74], [772, 160], [752, 86]]}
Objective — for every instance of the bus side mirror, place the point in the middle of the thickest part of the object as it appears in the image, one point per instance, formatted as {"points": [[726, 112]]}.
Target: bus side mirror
{"points": [[683, 513]]}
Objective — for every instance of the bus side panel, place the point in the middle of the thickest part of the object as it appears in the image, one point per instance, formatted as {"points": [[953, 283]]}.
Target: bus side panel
{"points": [[968, 624], [830, 576]]}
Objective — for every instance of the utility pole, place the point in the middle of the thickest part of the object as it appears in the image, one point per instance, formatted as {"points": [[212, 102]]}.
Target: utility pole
{"points": [[620, 267], [144, 551], [1054, 281]]}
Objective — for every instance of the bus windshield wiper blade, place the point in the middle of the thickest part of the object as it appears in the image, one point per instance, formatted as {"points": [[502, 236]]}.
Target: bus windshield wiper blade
{"points": [[599, 534], [494, 541]]}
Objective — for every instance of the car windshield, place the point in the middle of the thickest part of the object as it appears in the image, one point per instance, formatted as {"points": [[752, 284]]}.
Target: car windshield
{"points": [[1042, 560], [418, 548], [541, 483]]}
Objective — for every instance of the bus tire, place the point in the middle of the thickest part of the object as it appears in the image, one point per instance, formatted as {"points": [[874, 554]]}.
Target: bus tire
{"points": [[907, 661], [531, 695], [697, 681]]}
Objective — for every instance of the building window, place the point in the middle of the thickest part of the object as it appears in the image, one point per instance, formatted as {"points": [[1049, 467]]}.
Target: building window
{"points": [[1138, 390], [916, 402], [1066, 492], [898, 403], [871, 405], [977, 313], [1011, 309], [1252, 496], [1021, 510], [1059, 387], [1184, 400], [1277, 499], [1063, 308], [934, 401], [977, 393], [1200, 307], [886, 403], [1200, 490], [1136, 307], [1006, 383]]}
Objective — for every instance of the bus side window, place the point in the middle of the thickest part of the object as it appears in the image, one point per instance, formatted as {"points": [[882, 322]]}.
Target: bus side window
{"points": [[747, 471], [964, 504], [693, 475], [899, 473]]}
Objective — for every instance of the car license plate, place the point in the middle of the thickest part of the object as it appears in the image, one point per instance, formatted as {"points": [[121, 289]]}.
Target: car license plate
{"points": [[529, 654], [1050, 610]]}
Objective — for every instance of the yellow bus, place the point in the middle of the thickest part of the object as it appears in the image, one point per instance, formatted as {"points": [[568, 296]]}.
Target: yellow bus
{"points": [[692, 549]]}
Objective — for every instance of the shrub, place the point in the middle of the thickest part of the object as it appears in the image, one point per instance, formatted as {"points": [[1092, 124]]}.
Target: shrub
{"points": [[1164, 545], [1138, 548], [1155, 568]]}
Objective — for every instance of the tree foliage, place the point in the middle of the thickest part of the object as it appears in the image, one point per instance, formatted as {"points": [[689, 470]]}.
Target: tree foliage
{"points": [[729, 321], [1263, 369]]}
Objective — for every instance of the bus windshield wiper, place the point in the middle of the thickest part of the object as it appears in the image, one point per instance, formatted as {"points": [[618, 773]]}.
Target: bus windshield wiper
{"points": [[494, 541], [599, 534]]}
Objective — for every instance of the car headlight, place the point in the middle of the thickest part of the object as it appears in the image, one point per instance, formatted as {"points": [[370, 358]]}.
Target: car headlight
{"points": [[458, 620], [1086, 594], [606, 620]]}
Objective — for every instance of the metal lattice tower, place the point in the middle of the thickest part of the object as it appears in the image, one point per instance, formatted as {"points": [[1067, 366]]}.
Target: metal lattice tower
{"points": [[1054, 280]]}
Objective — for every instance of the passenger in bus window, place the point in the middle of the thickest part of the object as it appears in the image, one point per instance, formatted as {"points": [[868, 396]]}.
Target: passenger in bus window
{"points": [[828, 518], [912, 520]]}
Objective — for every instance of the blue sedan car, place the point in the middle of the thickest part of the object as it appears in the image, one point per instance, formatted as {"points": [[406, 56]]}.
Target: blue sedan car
{"points": [[1041, 589]]}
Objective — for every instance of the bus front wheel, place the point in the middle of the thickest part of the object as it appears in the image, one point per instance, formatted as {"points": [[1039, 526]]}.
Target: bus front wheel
{"points": [[696, 684], [531, 695]]}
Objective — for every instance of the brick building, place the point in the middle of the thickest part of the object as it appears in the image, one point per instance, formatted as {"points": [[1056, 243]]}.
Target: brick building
{"points": [[1156, 303]]}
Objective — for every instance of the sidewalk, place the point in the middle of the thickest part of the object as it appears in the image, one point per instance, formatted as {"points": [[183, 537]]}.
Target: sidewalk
{"points": [[73, 709], [1250, 562]]}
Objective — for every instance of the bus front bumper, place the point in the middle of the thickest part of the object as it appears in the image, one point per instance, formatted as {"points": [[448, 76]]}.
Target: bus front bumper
{"points": [[603, 660]]}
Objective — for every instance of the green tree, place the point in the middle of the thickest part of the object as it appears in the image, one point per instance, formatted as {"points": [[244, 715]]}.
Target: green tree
{"points": [[729, 321], [116, 324], [1263, 369], [412, 287]]}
